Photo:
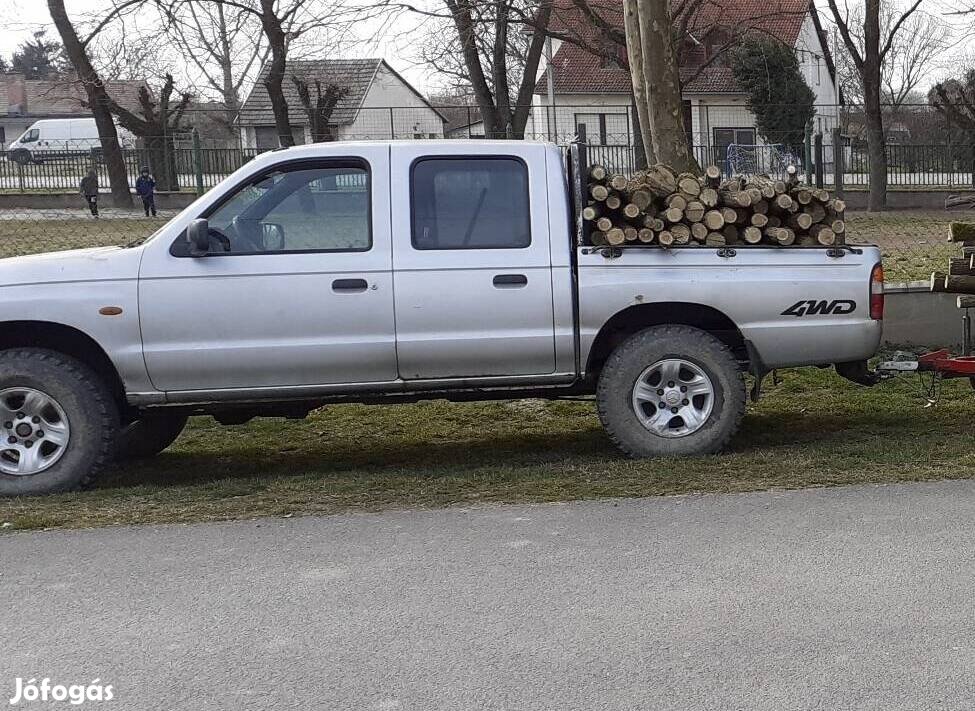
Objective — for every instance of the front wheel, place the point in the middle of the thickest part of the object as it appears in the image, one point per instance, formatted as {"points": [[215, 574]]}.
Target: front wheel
{"points": [[671, 391], [58, 423]]}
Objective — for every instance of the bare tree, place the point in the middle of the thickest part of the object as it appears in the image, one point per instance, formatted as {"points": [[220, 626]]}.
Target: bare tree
{"points": [[868, 56], [157, 124], [319, 110], [222, 42], [98, 99]]}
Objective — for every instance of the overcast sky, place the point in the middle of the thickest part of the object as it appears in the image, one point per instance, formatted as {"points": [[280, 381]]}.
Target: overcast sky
{"points": [[23, 17]]}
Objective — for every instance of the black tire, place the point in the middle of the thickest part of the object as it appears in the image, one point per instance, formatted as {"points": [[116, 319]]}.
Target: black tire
{"points": [[625, 365], [21, 156], [87, 403], [149, 435]]}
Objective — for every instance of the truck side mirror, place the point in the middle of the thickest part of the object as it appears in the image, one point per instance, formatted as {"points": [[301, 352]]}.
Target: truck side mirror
{"points": [[198, 237]]}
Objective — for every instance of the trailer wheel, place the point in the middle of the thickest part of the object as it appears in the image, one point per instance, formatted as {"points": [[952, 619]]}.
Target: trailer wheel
{"points": [[671, 391]]}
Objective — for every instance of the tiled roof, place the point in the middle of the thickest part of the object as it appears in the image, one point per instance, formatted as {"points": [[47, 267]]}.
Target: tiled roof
{"points": [[355, 75], [577, 71], [66, 96]]}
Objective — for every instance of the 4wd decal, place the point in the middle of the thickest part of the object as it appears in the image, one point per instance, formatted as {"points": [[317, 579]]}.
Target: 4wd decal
{"points": [[811, 307]]}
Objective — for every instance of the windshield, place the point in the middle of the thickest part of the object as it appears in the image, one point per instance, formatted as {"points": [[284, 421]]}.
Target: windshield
{"points": [[30, 136]]}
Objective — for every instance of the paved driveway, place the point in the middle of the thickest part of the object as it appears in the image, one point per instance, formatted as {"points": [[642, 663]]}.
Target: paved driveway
{"points": [[854, 598]]}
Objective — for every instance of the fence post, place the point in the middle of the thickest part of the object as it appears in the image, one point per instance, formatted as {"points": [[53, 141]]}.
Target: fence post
{"points": [[838, 162], [818, 147], [20, 175], [808, 153], [198, 162]]}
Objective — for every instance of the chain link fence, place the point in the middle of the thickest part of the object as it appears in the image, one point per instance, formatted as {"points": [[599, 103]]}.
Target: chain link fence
{"points": [[41, 207]]}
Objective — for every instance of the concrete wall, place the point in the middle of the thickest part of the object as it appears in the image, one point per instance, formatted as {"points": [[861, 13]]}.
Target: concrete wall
{"points": [[856, 198]]}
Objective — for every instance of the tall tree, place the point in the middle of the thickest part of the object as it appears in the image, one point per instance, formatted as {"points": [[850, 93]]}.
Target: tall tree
{"points": [[39, 58], [222, 42], [98, 100], [778, 94], [955, 99], [659, 86], [868, 58], [157, 124]]}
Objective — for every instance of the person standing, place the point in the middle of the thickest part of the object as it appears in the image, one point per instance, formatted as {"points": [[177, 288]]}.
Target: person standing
{"points": [[89, 188], [145, 187]]}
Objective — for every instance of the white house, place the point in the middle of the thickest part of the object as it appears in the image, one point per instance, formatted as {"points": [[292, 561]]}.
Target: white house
{"points": [[378, 103], [596, 92]]}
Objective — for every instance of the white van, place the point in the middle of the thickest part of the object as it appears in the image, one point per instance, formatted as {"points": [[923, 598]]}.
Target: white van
{"points": [[58, 138]]}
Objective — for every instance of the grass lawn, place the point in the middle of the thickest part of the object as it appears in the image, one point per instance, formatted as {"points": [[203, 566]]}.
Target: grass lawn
{"points": [[811, 429]]}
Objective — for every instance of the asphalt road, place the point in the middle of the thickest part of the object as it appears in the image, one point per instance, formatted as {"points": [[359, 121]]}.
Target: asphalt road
{"points": [[854, 598]]}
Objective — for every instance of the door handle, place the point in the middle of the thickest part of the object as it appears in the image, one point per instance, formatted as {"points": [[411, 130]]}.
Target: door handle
{"points": [[510, 281], [350, 285]]}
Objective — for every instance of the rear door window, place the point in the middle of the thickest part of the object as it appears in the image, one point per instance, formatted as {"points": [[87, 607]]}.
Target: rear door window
{"points": [[470, 203]]}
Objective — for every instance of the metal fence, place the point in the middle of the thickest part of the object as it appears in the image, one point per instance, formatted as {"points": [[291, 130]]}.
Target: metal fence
{"points": [[924, 148]]}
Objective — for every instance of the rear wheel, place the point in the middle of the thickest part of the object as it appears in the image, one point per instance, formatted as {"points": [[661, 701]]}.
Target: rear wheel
{"points": [[150, 435], [58, 422], [671, 391]]}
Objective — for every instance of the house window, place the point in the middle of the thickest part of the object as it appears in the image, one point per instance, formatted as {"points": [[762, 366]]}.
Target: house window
{"points": [[724, 137], [606, 129], [266, 137]]}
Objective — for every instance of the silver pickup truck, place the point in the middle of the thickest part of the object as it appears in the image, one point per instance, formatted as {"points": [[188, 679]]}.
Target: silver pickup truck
{"points": [[387, 272]]}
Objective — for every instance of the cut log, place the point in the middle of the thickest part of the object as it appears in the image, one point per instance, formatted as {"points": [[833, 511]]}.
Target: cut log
{"points": [[615, 236], [800, 221], [803, 196], [631, 210], [960, 266], [712, 176], [641, 198], [681, 232], [673, 215], [759, 220], [837, 206], [645, 235], [660, 179], [760, 207], [960, 284], [694, 212], [838, 226], [613, 201], [961, 232], [960, 202], [786, 236], [715, 239], [598, 192], [618, 182], [938, 280], [816, 211], [729, 215], [751, 235], [597, 172], [780, 186], [665, 238], [597, 238], [689, 184], [774, 221], [714, 219], [731, 234], [783, 202], [742, 216], [676, 200], [754, 195], [823, 234], [630, 233], [821, 195], [699, 231], [709, 196], [738, 198], [604, 224], [791, 175], [654, 223], [590, 212]]}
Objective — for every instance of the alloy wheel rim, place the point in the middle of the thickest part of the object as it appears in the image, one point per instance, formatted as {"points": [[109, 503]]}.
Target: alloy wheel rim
{"points": [[34, 431], [673, 398]]}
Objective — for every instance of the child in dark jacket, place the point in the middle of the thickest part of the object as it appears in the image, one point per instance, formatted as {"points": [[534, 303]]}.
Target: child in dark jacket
{"points": [[89, 188], [145, 187]]}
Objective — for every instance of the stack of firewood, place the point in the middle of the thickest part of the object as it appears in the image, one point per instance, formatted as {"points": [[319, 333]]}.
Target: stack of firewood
{"points": [[660, 206], [960, 277]]}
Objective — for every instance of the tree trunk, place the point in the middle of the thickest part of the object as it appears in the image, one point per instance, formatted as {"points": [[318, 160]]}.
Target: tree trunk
{"points": [[161, 152], [98, 101], [873, 115], [277, 43], [631, 24], [664, 105], [228, 90]]}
